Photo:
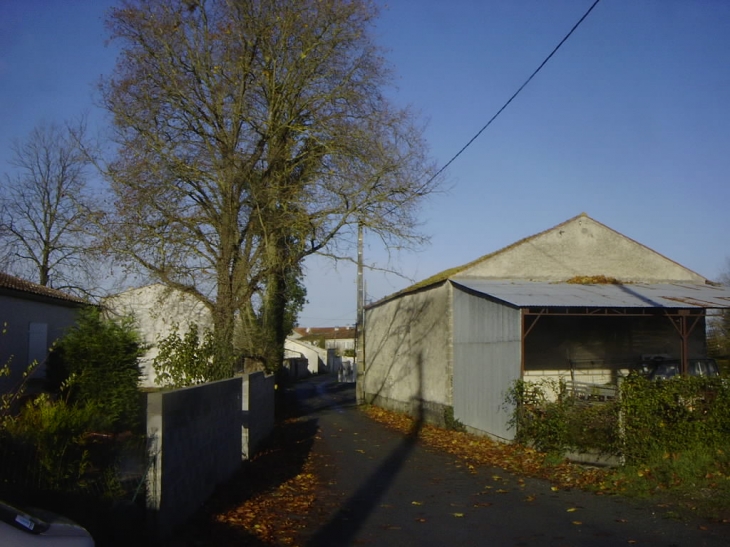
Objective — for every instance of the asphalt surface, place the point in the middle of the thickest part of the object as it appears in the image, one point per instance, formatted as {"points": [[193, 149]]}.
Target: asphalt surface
{"points": [[387, 489]]}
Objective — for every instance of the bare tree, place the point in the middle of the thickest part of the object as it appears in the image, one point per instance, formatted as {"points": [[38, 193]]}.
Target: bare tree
{"points": [[41, 209], [250, 135]]}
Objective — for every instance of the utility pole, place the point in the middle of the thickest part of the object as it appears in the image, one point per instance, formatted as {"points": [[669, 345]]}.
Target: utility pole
{"points": [[360, 323]]}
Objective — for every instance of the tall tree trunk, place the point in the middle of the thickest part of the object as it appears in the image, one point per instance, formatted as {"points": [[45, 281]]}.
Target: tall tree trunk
{"points": [[273, 319], [224, 311], [223, 326], [275, 303]]}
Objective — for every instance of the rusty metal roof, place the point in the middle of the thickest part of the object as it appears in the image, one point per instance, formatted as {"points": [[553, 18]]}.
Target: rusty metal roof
{"points": [[524, 294]]}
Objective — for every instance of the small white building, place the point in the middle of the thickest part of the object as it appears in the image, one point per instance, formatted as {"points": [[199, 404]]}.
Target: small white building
{"points": [[340, 339], [155, 309], [316, 357]]}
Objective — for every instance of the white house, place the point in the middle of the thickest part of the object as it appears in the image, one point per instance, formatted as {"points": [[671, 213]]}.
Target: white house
{"points": [[316, 357], [340, 339], [156, 309]]}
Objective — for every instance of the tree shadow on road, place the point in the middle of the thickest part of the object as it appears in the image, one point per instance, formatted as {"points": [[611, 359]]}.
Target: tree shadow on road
{"points": [[343, 526]]}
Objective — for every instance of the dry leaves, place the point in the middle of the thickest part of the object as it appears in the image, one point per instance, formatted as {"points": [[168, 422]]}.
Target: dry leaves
{"points": [[475, 450]]}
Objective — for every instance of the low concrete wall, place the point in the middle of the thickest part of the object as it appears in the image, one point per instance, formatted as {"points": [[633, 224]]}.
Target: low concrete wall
{"points": [[258, 411], [197, 437]]}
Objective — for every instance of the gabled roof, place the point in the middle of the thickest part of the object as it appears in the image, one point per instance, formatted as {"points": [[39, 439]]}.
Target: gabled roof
{"points": [[22, 288], [470, 269]]}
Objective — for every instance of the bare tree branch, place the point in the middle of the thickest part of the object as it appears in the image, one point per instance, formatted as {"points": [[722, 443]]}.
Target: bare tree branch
{"points": [[251, 135], [42, 211]]}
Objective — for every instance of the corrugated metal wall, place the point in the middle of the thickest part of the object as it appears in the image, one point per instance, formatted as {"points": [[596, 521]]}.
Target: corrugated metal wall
{"points": [[487, 347]]}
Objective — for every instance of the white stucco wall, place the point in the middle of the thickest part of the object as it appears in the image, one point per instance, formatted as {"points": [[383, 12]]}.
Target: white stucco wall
{"points": [[156, 309], [316, 357], [580, 247], [408, 352]]}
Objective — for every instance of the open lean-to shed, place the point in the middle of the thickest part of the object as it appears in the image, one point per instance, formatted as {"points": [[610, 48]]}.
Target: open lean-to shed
{"points": [[579, 301]]}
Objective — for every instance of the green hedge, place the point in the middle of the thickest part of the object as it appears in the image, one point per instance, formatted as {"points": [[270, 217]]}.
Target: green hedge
{"points": [[546, 417], [649, 418], [674, 415]]}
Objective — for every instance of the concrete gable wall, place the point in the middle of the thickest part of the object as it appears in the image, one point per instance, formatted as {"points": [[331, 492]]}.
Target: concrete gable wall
{"points": [[580, 247], [408, 353], [155, 309]]}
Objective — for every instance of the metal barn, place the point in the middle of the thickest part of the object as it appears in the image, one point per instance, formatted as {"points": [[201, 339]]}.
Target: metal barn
{"points": [[579, 302]]}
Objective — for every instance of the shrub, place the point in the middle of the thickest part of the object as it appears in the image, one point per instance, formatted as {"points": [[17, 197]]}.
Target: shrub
{"points": [[450, 422], [651, 421], [47, 440], [185, 361], [552, 421], [675, 415], [102, 358]]}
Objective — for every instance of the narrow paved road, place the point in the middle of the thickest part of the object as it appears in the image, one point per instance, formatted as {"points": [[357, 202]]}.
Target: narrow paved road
{"points": [[387, 489]]}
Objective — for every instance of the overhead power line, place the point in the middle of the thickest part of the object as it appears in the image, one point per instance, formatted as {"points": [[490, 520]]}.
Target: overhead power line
{"points": [[505, 105]]}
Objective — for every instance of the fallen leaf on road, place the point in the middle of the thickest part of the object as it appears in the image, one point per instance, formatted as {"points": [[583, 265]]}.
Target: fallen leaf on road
{"points": [[554, 488], [502, 491], [577, 522], [621, 520], [416, 503], [420, 520], [572, 509], [459, 515], [530, 498]]}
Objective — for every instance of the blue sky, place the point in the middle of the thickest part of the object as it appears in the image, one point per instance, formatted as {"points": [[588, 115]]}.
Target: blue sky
{"points": [[629, 122]]}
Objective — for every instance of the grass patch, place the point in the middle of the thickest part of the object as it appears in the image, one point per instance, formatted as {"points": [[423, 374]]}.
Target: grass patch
{"points": [[698, 479]]}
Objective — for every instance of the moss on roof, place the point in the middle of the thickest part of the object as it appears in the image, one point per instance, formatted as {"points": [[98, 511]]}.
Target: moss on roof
{"points": [[594, 280]]}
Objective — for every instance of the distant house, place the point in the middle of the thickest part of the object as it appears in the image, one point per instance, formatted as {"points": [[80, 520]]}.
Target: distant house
{"points": [[579, 301], [32, 318], [341, 339], [156, 309], [315, 356]]}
